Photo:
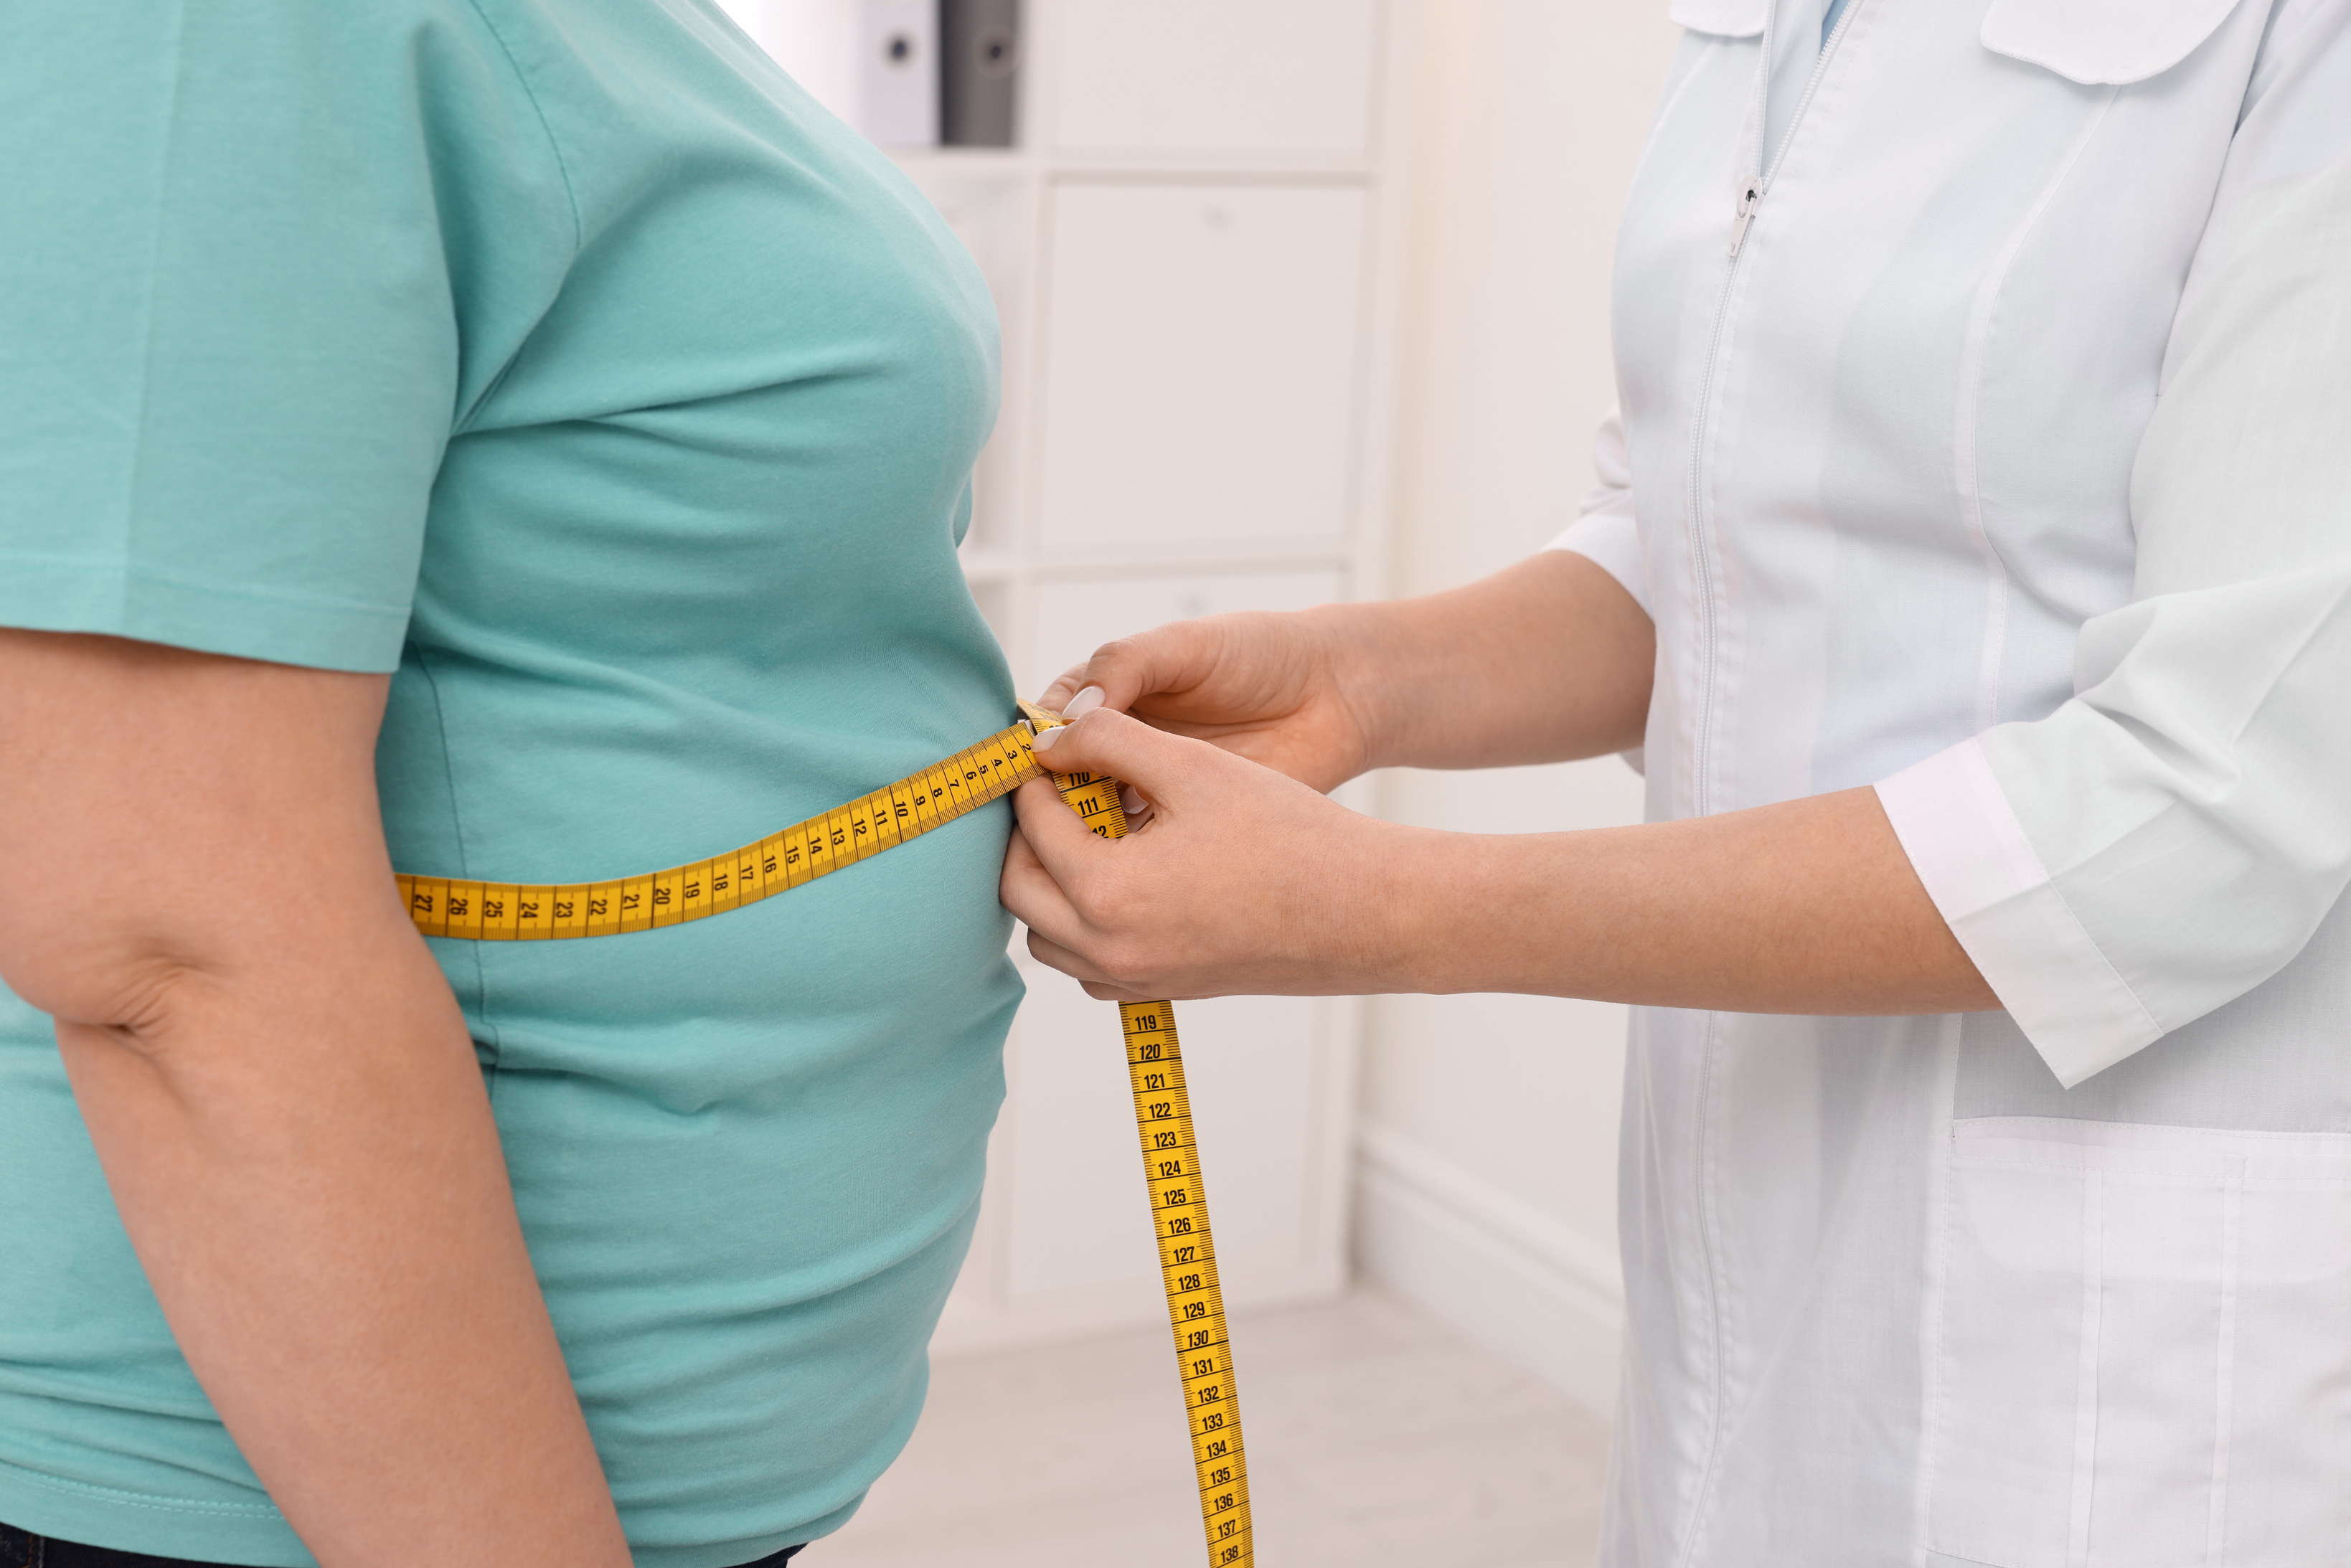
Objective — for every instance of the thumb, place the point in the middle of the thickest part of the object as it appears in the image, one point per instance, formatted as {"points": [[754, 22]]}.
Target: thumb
{"points": [[1164, 658], [1120, 671]]}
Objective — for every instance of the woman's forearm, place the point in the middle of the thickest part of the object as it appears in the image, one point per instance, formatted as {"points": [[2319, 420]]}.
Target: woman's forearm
{"points": [[1806, 907], [1546, 661], [285, 1098], [1243, 880], [304, 1158]]}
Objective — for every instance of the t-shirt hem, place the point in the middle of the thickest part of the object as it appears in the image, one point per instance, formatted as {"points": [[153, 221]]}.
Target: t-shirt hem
{"points": [[203, 1530], [255, 1534], [46, 594], [736, 1554]]}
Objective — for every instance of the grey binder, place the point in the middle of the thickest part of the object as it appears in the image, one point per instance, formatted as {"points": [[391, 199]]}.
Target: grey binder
{"points": [[898, 77], [980, 71]]}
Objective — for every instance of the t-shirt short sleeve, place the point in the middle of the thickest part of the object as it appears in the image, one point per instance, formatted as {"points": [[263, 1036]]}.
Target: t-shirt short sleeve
{"points": [[229, 355]]}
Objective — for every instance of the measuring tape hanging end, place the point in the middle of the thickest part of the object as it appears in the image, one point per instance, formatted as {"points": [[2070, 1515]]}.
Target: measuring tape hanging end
{"points": [[1179, 1202]]}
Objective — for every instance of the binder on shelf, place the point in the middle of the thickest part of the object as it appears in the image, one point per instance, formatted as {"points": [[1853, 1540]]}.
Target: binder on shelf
{"points": [[898, 72], [980, 71]]}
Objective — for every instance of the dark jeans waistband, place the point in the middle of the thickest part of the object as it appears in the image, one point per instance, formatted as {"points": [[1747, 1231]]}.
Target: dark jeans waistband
{"points": [[22, 1549]]}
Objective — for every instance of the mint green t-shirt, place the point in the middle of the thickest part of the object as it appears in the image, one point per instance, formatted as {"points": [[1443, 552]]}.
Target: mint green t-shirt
{"points": [[561, 357]]}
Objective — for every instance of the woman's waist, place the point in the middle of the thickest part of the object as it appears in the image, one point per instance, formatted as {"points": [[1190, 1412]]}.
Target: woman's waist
{"points": [[511, 795]]}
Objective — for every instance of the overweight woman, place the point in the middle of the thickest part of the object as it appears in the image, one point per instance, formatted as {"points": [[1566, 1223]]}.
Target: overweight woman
{"points": [[1973, 570], [509, 439]]}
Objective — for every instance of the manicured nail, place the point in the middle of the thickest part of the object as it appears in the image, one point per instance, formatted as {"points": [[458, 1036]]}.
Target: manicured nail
{"points": [[1084, 702], [1045, 738], [1129, 799]]}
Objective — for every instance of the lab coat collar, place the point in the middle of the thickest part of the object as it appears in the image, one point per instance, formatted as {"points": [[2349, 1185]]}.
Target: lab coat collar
{"points": [[2094, 42], [2101, 42], [1721, 19]]}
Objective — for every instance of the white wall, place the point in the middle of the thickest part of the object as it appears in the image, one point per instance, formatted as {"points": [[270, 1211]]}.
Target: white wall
{"points": [[815, 40], [1486, 1175]]}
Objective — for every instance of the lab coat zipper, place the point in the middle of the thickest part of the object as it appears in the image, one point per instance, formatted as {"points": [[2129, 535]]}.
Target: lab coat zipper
{"points": [[1751, 196], [1751, 199], [1702, 801]]}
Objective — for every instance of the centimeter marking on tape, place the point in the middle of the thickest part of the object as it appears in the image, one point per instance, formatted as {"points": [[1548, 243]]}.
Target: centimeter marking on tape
{"points": [[524, 912], [1187, 1266]]}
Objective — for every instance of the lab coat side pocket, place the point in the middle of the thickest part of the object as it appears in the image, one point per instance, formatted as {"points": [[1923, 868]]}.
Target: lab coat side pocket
{"points": [[2142, 1348]]}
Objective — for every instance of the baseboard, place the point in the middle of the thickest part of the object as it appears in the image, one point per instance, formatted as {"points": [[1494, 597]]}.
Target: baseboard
{"points": [[1506, 1276], [972, 1328]]}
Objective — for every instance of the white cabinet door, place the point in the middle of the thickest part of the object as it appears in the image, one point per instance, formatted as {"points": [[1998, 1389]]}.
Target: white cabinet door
{"points": [[1065, 1237], [1258, 75], [1073, 618], [1080, 1223], [1202, 364], [995, 220]]}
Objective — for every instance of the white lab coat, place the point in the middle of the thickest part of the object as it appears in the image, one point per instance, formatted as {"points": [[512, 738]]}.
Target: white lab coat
{"points": [[2006, 467]]}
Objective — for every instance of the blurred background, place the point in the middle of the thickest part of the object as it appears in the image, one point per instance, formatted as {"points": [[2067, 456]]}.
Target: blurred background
{"points": [[1303, 300]]}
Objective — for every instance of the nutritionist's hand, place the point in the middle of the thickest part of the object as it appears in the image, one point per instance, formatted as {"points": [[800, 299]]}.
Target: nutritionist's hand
{"points": [[1272, 688], [1240, 880]]}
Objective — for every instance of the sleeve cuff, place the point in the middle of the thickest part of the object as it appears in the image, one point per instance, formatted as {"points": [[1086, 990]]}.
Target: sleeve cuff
{"points": [[1967, 847], [1610, 538]]}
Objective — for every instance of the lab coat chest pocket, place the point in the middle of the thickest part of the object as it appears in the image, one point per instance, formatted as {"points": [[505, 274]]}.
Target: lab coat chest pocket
{"points": [[2142, 1348], [2102, 42]]}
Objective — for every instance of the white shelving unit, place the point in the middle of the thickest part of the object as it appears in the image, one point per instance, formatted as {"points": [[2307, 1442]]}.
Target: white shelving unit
{"points": [[1196, 252]]}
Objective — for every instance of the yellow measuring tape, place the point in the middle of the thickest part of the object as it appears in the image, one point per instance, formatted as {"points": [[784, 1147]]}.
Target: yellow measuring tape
{"points": [[521, 912]]}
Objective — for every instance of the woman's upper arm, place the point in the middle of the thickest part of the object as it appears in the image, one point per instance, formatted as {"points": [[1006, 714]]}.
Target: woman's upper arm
{"points": [[173, 813], [230, 369]]}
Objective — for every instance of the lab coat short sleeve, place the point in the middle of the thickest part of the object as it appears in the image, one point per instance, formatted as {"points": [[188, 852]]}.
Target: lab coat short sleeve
{"points": [[2172, 836], [1605, 532]]}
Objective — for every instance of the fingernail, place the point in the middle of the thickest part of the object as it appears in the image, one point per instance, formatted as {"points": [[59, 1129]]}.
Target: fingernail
{"points": [[1045, 738], [1084, 702], [1129, 799]]}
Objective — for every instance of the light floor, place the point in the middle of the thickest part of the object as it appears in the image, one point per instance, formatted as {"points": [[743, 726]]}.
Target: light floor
{"points": [[1373, 1439]]}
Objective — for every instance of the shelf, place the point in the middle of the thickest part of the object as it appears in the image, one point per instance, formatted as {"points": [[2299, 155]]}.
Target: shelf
{"points": [[1019, 164], [964, 163], [989, 566], [1179, 164], [1215, 557]]}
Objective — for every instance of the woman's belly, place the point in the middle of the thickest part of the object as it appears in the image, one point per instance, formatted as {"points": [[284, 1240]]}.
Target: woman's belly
{"points": [[746, 1151], [746, 1154]]}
